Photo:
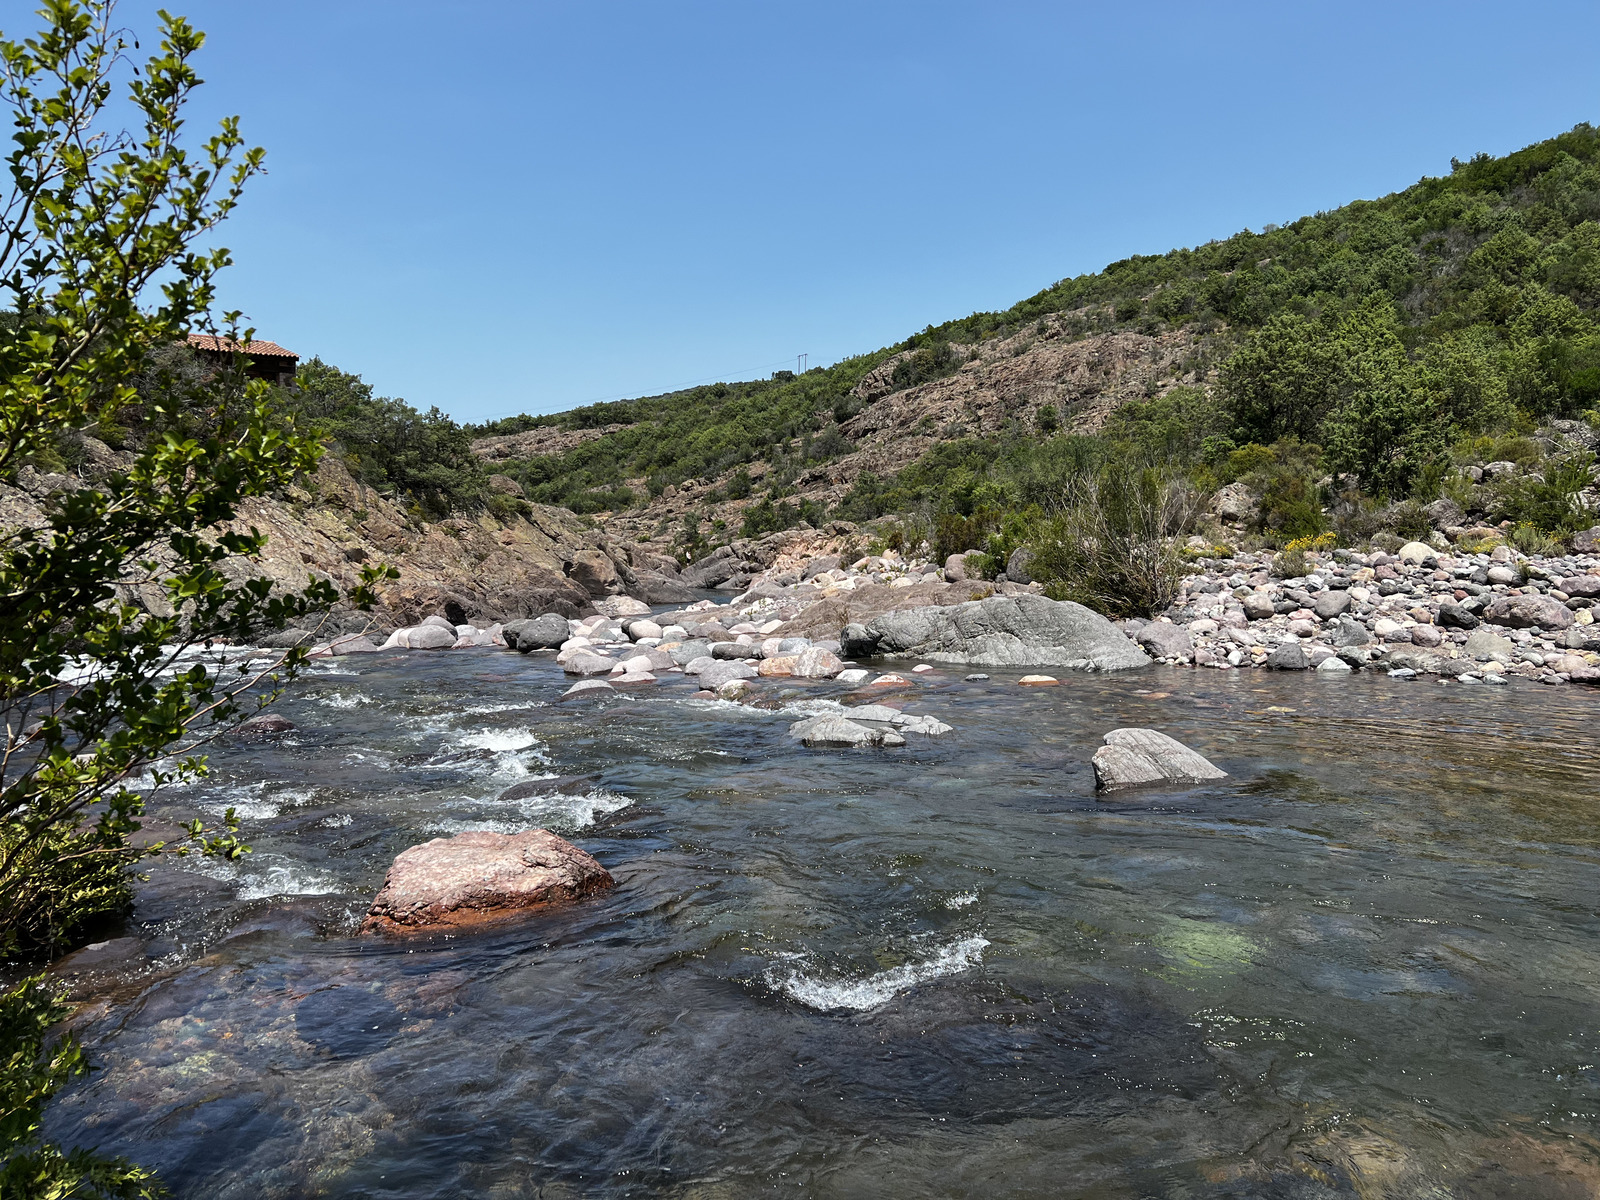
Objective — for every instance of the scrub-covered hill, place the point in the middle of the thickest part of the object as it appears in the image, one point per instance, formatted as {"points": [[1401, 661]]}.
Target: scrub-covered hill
{"points": [[1363, 353]]}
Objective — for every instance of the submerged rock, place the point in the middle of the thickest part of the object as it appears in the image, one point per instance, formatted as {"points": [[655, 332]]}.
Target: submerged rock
{"points": [[832, 732], [473, 878], [565, 785], [588, 687], [1140, 757], [265, 726]]}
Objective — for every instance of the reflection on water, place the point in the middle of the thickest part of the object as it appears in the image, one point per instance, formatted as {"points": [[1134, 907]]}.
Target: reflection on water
{"points": [[1367, 963]]}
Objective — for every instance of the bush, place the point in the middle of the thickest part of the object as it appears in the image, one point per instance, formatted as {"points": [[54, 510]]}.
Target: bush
{"points": [[1291, 563], [1551, 501], [1110, 542]]}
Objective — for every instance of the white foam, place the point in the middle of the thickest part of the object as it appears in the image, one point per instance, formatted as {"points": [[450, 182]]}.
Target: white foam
{"points": [[278, 879], [554, 811], [500, 739], [489, 710], [340, 700], [877, 990], [252, 801], [961, 900], [247, 800]]}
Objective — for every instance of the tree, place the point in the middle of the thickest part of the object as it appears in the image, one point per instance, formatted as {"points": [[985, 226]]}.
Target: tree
{"points": [[1282, 382], [1382, 427], [105, 596]]}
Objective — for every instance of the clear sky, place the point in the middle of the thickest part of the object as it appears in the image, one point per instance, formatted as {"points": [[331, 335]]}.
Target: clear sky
{"points": [[522, 207]]}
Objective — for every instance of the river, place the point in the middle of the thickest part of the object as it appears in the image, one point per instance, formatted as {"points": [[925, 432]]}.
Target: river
{"points": [[1368, 960]]}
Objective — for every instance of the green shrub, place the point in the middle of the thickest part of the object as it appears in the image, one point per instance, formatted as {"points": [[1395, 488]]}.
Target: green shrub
{"points": [[1551, 501], [1110, 542]]}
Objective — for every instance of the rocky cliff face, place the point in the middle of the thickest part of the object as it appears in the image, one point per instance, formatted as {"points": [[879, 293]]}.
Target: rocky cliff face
{"points": [[469, 567]]}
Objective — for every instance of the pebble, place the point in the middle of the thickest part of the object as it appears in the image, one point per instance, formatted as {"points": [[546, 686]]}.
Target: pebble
{"points": [[1038, 681], [975, 677]]}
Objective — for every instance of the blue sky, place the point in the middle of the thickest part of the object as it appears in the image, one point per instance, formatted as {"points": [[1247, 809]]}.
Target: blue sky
{"points": [[522, 207]]}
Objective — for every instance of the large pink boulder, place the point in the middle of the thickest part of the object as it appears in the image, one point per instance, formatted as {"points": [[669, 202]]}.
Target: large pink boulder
{"points": [[474, 878]]}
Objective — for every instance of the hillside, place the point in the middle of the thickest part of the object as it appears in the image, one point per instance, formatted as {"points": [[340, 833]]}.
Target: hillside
{"points": [[1381, 338]]}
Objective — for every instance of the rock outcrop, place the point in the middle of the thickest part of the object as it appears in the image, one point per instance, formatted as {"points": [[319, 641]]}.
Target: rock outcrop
{"points": [[1019, 631], [474, 878], [1146, 757]]}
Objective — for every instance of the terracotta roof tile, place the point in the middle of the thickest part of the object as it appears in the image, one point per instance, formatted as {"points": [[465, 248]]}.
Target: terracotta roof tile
{"points": [[204, 341]]}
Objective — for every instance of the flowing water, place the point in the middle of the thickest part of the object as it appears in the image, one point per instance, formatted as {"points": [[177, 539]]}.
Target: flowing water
{"points": [[1366, 963]]}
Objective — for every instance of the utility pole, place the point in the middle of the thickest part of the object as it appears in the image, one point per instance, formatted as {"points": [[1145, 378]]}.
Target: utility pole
{"points": [[800, 363]]}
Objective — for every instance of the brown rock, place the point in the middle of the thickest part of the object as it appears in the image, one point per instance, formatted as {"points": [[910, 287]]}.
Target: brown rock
{"points": [[814, 662], [474, 878], [1529, 611], [595, 573], [265, 726]]}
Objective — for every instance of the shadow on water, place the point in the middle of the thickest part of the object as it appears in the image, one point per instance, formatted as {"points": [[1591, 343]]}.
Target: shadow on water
{"points": [[1367, 963]]}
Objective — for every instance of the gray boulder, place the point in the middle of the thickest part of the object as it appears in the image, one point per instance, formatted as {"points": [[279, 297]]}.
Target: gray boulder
{"points": [[264, 726], [429, 636], [1141, 757], [1259, 607], [1529, 612], [1288, 657], [1018, 631], [714, 674], [584, 663], [684, 653], [1332, 604], [286, 639], [818, 565], [590, 688], [1017, 565], [1235, 504], [1347, 631], [816, 663], [565, 785], [1160, 639], [545, 632], [1444, 513], [1453, 616], [831, 732], [1573, 585], [1484, 644], [727, 651], [656, 588]]}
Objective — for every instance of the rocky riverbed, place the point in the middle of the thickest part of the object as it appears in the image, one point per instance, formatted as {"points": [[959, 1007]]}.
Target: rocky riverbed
{"points": [[1470, 617]]}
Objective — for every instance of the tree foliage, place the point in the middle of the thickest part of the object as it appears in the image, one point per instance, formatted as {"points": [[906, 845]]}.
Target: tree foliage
{"points": [[105, 599]]}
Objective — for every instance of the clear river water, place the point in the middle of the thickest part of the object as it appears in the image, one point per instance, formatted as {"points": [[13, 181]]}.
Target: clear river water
{"points": [[1367, 963]]}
